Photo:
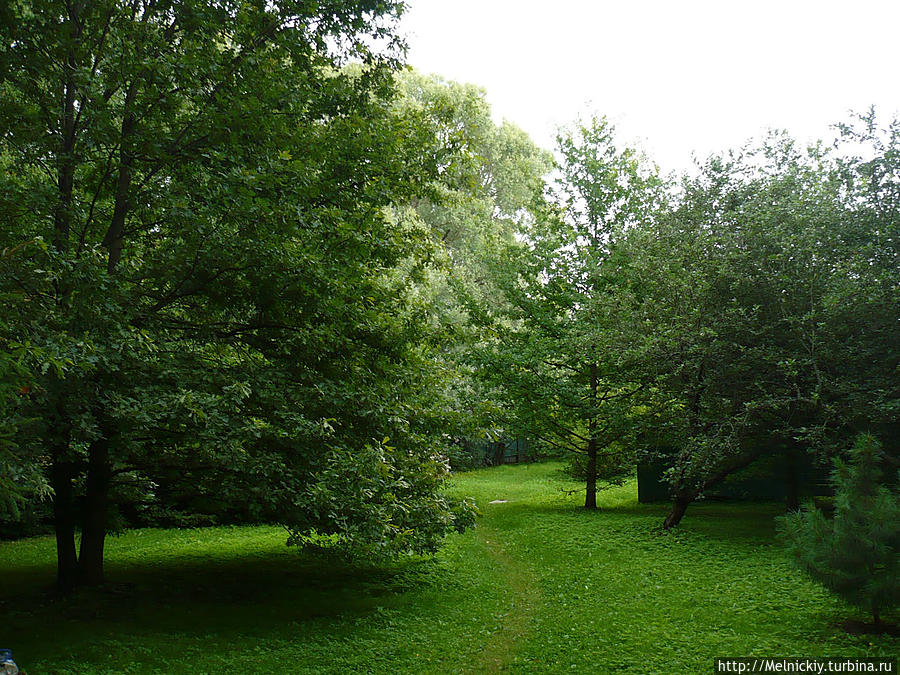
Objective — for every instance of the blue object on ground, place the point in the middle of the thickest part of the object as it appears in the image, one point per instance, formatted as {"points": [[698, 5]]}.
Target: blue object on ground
{"points": [[7, 665]]}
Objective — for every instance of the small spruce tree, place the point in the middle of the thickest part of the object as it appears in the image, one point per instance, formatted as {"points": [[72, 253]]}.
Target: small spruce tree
{"points": [[856, 553]]}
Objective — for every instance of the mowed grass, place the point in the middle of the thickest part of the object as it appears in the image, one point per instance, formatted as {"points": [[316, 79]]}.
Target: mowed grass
{"points": [[539, 586]]}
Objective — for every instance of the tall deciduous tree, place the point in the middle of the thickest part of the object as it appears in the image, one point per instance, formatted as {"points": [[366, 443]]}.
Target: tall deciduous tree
{"points": [[557, 353], [221, 278], [489, 176]]}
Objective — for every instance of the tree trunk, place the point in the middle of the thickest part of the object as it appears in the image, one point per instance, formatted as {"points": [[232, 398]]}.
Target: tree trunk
{"points": [[62, 471], [61, 475], [685, 495], [679, 506], [590, 496], [113, 241], [93, 532], [499, 453], [65, 179]]}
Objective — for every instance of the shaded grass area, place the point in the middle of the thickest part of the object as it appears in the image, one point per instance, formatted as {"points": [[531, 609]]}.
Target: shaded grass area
{"points": [[539, 586], [237, 600]]}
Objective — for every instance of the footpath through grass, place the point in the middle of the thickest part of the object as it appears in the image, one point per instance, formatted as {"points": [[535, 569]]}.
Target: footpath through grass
{"points": [[539, 586]]}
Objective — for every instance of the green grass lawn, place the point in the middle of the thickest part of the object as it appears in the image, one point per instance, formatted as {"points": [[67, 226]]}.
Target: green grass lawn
{"points": [[539, 586]]}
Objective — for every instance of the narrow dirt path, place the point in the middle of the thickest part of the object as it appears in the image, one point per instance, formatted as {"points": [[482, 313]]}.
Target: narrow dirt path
{"points": [[515, 626]]}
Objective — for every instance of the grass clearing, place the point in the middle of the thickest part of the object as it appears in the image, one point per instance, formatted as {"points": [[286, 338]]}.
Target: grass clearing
{"points": [[539, 586]]}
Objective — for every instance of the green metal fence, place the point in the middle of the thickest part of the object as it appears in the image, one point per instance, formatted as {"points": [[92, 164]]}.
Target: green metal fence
{"points": [[470, 454], [771, 478]]}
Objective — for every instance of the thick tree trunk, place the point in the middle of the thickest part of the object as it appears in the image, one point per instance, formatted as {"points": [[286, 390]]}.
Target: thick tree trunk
{"points": [[61, 475], [590, 496], [93, 531], [679, 506]]}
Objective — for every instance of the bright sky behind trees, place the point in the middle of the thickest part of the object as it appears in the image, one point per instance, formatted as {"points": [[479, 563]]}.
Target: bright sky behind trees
{"points": [[694, 76]]}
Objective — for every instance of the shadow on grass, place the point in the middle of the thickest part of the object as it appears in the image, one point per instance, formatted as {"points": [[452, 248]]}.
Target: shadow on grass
{"points": [[239, 596]]}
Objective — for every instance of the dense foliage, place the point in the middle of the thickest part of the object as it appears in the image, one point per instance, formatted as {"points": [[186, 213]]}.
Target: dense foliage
{"points": [[485, 194], [708, 326], [761, 302], [216, 299]]}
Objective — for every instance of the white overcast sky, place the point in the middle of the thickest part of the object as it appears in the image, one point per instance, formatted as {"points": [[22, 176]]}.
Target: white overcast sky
{"points": [[676, 77]]}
